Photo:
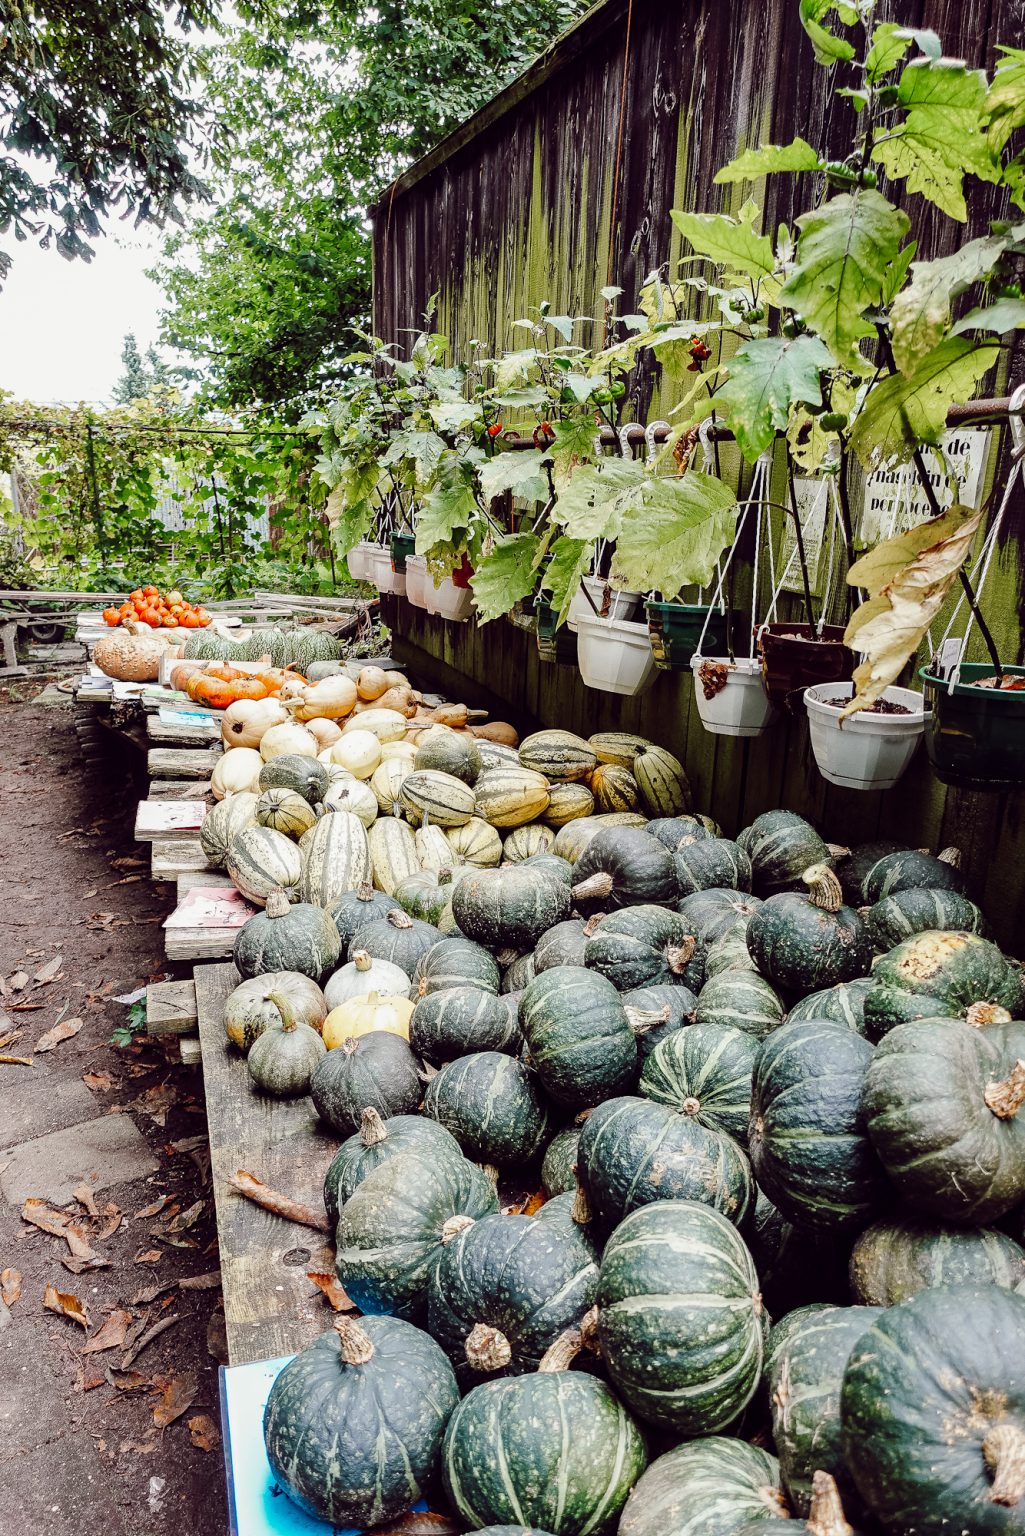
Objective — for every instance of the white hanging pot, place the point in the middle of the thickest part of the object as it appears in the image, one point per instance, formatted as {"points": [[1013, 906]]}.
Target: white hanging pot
{"points": [[379, 569], [614, 655], [740, 707], [448, 601], [621, 605], [416, 577], [867, 750], [359, 560]]}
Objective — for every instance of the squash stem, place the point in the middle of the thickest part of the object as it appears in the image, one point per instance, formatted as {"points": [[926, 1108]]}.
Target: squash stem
{"points": [[826, 1516], [824, 888], [372, 1128], [284, 1007], [1006, 1098], [1003, 1451], [595, 888], [487, 1348], [354, 1341]]}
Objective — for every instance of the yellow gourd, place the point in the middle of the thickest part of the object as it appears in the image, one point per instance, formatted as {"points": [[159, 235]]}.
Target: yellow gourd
{"points": [[366, 1016]]}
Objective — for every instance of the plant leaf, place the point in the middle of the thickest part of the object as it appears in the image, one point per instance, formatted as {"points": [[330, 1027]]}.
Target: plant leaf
{"points": [[897, 271], [455, 416], [673, 531], [843, 252], [505, 576], [768, 158], [449, 506], [900, 414], [889, 45], [571, 559], [1004, 108], [829, 49], [767, 376], [908, 578], [727, 242], [517, 470], [920, 314], [1002, 316], [941, 138], [589, 501]]}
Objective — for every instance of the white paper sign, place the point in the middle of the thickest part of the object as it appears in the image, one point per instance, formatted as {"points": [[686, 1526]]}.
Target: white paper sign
{"points": [[814, 503], [895, 501]]}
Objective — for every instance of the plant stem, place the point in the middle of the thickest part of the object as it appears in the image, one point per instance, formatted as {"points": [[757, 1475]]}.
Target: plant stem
{"points": [[799, 536]]}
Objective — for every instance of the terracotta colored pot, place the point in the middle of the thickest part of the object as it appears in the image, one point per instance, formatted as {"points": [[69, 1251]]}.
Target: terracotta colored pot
{"points": [[794, 658]]}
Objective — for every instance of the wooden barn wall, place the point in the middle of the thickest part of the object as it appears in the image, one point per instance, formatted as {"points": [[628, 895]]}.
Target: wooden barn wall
{"points": [[541, 197]]}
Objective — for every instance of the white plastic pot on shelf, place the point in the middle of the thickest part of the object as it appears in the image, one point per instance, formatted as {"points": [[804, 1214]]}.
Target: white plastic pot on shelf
{"points": [[416, 578], [359, 560], [622, 605], [741, 707], [379, 569], [614, 655], [447, 601], [865, 751]]}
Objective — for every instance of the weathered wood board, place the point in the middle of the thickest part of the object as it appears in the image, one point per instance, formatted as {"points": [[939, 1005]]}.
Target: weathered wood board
{"points": [[171, 1008], [167, 763], [171, 857], [180, 789], [164, 819]]}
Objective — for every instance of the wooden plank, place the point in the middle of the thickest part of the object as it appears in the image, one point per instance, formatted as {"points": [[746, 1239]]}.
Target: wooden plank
{"points": [[190, 879], [191, 1050], [270, 1308], [197, 930], [180, 789], [171, 1008], [171, 857], [166, 763], [201, 734], [199, 943], [167, 820]]}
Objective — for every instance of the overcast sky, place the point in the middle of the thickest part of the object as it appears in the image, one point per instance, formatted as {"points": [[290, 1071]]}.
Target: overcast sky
{"points": [[63, 323]]}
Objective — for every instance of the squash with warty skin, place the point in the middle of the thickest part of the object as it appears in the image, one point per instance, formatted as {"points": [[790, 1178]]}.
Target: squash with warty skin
{"points": [[456, 962], [509, 908], [656, 1011], [260, 861], [489, 1102], [854, 864], [680, 1318], [375, 1143], [743, 1000], [578, 1035], [353, 908], [393, 1228], [335, 858], [893, 1260], [712, 864], [905, 913], [941, 1104], [222, 821], [633, 1152], [707, 1487], [555, 1449], [728, 955], [844, 1004], [909, 870], [519, 974], [305, 775], [781, 846], [377, 1071], [562, 944], [284, 937], [642, 946], [624, 867], [573, 838], [553, 866], [558, 1169], [933, 1413], [713, 914], [460, 1021], [943, 975], [443, 750], [283, 1059], [705, 1072], [508, 1286], [354, 1422], [805, 943], [808, 1138], [397, 937], [249, 1010]]}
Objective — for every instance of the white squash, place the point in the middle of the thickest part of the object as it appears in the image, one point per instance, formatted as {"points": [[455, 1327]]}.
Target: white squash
{"points": [[371, 682], [245, 722], [367, 1016], [359, 751], [403, 751], [288, 740], [327, 732], [386, 724], [355, 795], [330, 699], [433, 849], [235, 772], [364, 975], [386, 781]]}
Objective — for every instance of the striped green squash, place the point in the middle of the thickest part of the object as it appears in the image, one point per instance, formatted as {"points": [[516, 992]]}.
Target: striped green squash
{"points": [[509, 908], [910, 869], [619, 747], [712, 863], [309, 645], [559, 1168], [554, 1450], [680, 1319], [397, 937], [440, 798], [579, 1038], [567, 802], [642, 946], [704, 1071], [335, 858], [434, 852], [261, 860], [662, 782], [561, 945], [525, 842], [573, 838], [943, 975], [803, 944], [222, 821], [460, 1021], [743, 1000], [456, 962], [558, 755], [551, 865], [656, 1011], [614, 788], [895, 1259], [844, 1004], [510, 797], [305, 775], [350, 911], [899, 916], [446, 751], [428, 896], [711, 1487], [781, 846], [393, 856], [675, 832], [728, 955], [477, 842], [285, 811], [490, 1104], [710, 915]]}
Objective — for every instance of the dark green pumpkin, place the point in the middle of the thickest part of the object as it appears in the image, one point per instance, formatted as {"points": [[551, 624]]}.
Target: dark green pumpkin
{"points": [[704, 1071], [643, 946], [797, 1268], [918, 910], [730, 953], [553, 866], [393, 1227], [942, 975], [933, 1411], [510, 907], [675, 831], [508, 1286], [942, 1104], [808, 1138], [374, 1143], [519, 974], [462, 1020], [284, 937], [802, 943], [624, 867], [742, 999], [781, 846], [492, 1107], [844, 1004], [356, 908], [354, 1423], [895, 1259], [455, 962], [555, 1449], [804, 1368], [681, 1322], [711, 915], [656, 1011], [558, 1170], [305, 775], [377, 1071], [563, 944], [398, 937], [427, 895], [712, 863], [909, 870], [633, 1152], [707, 1487], [852, 867], [579, 1038]]}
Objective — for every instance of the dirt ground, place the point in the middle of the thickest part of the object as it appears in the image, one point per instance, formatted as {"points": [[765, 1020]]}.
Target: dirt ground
{"points": [[102, 1430]]}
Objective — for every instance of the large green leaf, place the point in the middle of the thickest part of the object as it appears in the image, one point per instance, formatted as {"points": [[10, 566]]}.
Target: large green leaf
{"points": [[920, 315], [672, 533], [589, 502], [575, 439], [843, 253], [890, 43], [1004, 108], [1000, 317], [941, 137], [767, 376], [417, 452], [728, 242], [505, 575], [455, 415], [768, 158], [517, 470], [571, 559], [350, 520], [829, 49], [449, 507], [900, 413]]}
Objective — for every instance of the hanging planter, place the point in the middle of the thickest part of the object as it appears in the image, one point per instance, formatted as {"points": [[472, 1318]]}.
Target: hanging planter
{"points": [[359, 560], [379, 569], [869, 750], [416, 580], [797, 656], [447, 600], [975, 736], [402, 546], [554, 644], [731, 696], [596, 599], [614, 655], [676, 629]]}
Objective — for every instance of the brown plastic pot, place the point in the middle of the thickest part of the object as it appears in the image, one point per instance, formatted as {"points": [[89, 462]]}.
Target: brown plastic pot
{"points": [[794, 658]]}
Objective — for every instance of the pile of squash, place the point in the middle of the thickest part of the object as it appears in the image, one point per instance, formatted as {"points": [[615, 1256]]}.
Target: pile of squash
{"points": [[771, 1089]]}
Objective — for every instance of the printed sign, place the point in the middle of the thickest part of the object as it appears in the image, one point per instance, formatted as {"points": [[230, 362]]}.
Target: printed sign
{"points": [[210, 907], [894, 500]]}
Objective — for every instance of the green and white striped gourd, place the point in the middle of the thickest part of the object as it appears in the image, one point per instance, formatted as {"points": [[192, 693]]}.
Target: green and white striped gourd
{"points": [[510, 797], [393, 856], [456, 962], [712, 863], [286, 811], [525, 842], [461, 1021], [894, 1259], [662, 782], [477, 843], [558, 755], [221, 823], [439, 798], [705, 1072], [743, 1000], [844, 1004], [716, 1486], [781, 846], [335, 858], [261, 860], [578, 1035], [905, 913], [911, 869]]}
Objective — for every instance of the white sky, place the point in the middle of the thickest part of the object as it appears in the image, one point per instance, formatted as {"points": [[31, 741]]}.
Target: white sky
{"points": [[63, 323]]}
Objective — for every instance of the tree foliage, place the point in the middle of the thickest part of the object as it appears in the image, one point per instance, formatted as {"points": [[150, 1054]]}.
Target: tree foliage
{"points": [[140, 376]]}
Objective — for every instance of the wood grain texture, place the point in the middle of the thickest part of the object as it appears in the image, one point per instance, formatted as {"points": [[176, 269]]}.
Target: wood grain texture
{"points": [[270, 1308], [171, 1008], [173, 856], [169, 763], [180, 789]]}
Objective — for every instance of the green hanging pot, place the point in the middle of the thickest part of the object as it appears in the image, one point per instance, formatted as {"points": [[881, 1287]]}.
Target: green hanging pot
{"points": [[402, 545], [975, 737], [676, 630], [554, 645]]}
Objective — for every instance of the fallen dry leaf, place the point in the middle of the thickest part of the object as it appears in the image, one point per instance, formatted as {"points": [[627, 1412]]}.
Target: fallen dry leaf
{"points": [[84, 1195], [147, 1338], [330, 1286], [110, 1334], [177, 1395], [40, 1215], [99, 1082], [17, 1061], [217, 1338], [148, 1256], [49, 971], [112, 1218], [151, 1293], [186, 1219], [151, 1210], [139, 1447], [66, 1305], [128, 1381], [205, 1282], [533, 1203], [78, 1242], [10, 1286], [82, 1266], [252, 1188], [65, 1030], [18, 981], [204, 1432]]}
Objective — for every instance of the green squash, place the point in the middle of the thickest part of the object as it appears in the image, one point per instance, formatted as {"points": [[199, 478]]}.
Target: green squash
{"points": [[427, 896], [287, 938], [285, 811], [375, 1143], [808, 1139], [906, 913], [555, 1449], [711, 915], [284, 1057], [580, 1041], [221, 823], [397, 937], [730, 953], [456, 962], [893, 1260], [376, 1071], [712, 863], [742, 999], [657, 1011], [354, 1422], [394, 1226], [527, 842], [460, 1021], [781, 846], [708, 1487], [305, 775], [335, 858], [675, 832], [260, 861], [909, 870], [624, 867], [510, 907], [806, 942], [274, 643], [491, 1106], [643, 946], [251, 1007], [562, 944], [553, 866], [680, 1319], [933, 1411], [350, 911], [852, 867], [943, 975], [844, 1004], [442, 750], [559, 1168], [306, 646], [941, 1105], [508, 1286], [519, 974], [633, 1152], [804, 1368], [705, 1072]]}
